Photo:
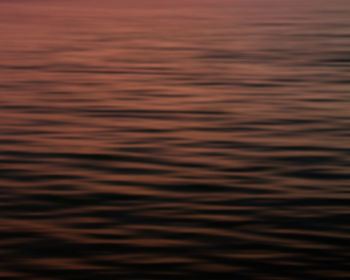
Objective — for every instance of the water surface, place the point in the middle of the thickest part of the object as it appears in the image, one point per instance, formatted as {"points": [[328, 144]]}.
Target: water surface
{"points": [[184, 141]]}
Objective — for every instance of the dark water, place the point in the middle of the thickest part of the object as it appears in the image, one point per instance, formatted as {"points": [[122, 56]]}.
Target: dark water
{"points": [[175, 142]]}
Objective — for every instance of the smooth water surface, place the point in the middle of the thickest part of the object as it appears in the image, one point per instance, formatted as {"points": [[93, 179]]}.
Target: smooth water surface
{"points": [[174, 141]]}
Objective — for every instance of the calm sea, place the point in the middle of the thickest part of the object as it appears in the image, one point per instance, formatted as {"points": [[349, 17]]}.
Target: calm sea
{"points": [[191, 140]]}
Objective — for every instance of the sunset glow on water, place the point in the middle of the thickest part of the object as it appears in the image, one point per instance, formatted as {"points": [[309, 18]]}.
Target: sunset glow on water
{"points": [[158, 140]]}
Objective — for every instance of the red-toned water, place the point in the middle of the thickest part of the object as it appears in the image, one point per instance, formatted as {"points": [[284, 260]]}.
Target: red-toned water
{"points": [[182, 141]]}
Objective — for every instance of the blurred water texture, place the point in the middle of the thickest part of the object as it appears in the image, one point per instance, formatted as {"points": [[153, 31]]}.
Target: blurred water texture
{"points": [[188, 141]]}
